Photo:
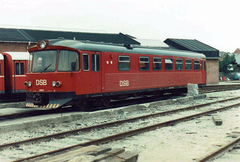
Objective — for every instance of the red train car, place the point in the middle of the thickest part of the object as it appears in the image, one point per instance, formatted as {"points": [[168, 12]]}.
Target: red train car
{"points": [[66, 72], [13, 68]]}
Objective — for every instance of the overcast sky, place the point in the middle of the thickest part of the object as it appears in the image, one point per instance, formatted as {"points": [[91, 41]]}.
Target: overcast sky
{"points": [[214, 22]]}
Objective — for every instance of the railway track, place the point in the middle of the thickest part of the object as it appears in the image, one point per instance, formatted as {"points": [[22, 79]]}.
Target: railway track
{"points": [[113, 132], [38, 112], [218, 88], [132, 101], [226, 149]]}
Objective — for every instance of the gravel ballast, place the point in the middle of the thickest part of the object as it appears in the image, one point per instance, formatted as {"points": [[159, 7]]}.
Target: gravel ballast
{"points": [[186, 141]]}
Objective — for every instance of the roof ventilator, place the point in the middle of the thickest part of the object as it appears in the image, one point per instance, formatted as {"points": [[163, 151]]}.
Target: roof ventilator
{"points": [[128, 46]]}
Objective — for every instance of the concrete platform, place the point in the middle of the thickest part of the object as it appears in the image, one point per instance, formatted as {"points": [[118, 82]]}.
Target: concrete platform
{"points": [[13, 104]]}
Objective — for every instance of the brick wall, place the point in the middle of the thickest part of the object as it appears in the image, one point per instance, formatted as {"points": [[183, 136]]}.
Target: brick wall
{"points": [[212, 71], [13, 47]]}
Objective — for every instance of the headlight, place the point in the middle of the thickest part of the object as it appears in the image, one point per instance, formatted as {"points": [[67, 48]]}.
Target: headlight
{"points": [[58, 84], [53, 83], [42, 44], [27, 84]]}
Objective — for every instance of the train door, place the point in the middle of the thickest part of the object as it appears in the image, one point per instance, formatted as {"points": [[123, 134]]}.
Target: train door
{"points": [[1, 76], [7, 73], [96, 72], [19, 76], [204, 70]]}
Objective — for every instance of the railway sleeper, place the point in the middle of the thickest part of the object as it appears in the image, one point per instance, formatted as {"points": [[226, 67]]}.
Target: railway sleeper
{"points": [[94, 153]]}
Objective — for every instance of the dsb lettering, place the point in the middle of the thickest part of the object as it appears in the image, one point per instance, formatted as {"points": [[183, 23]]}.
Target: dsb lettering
{"points": [[42, 82], [123, 83]]}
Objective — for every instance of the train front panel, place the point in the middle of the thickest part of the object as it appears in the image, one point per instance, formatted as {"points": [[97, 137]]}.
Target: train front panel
{"points": [[53, 76]]}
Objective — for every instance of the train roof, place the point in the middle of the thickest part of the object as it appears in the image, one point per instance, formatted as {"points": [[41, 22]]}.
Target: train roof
{"points": [[92, 46], [17, 55]]}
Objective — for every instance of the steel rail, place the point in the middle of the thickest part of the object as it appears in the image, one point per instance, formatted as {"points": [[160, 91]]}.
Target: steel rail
{"points": [[129, 133], [72, 132], [218, 88], [220, 151]]}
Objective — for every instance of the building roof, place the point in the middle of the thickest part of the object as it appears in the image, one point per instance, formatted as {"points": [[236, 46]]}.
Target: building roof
{"points": [[152, 43], [237, 51], [27, 35], [193, 45]]}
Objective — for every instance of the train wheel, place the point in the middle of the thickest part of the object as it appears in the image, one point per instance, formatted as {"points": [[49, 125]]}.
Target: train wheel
{"points": [[106, 101], [80, 105]]}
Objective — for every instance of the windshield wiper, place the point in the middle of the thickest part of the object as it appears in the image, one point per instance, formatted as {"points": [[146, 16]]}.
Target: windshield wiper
{"points": [[46, 68]]}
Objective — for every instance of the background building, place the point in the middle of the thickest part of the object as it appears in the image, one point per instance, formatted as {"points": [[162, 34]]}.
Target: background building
{"points": [[212, 55], [21, 39], [237, 57]]}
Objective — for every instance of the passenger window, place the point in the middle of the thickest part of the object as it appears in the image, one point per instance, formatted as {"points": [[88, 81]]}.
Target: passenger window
{"points": [[95, 62], [30, 62], [168, 64], [19, 68], [85, 62], [203, 65], [196, 64], [143, 63], [179, 64], [123, 63], [157, 63], [68, 61], [188, 64]]}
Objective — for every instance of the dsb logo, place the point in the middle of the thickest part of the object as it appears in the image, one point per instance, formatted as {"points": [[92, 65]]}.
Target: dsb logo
{"points": [[124, 83], [42, 82]]}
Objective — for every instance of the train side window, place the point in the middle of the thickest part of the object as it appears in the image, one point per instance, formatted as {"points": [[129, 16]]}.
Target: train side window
{"points": [[123, 63], [95, 62], [188, 64], [168, 64], [179, 64], [19, 68], [30, 62], [203, 65], [157, 63], [85, 62], [68, 61], [196, 64], [143, 63]]}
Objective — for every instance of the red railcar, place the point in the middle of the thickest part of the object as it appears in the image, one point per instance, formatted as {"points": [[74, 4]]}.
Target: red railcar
{"points": [[63, 72], [13, 68]]}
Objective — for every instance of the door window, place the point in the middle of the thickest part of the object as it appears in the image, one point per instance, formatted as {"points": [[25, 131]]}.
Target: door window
{"points": [[19, 68], [85, 62], [95, 62]]}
